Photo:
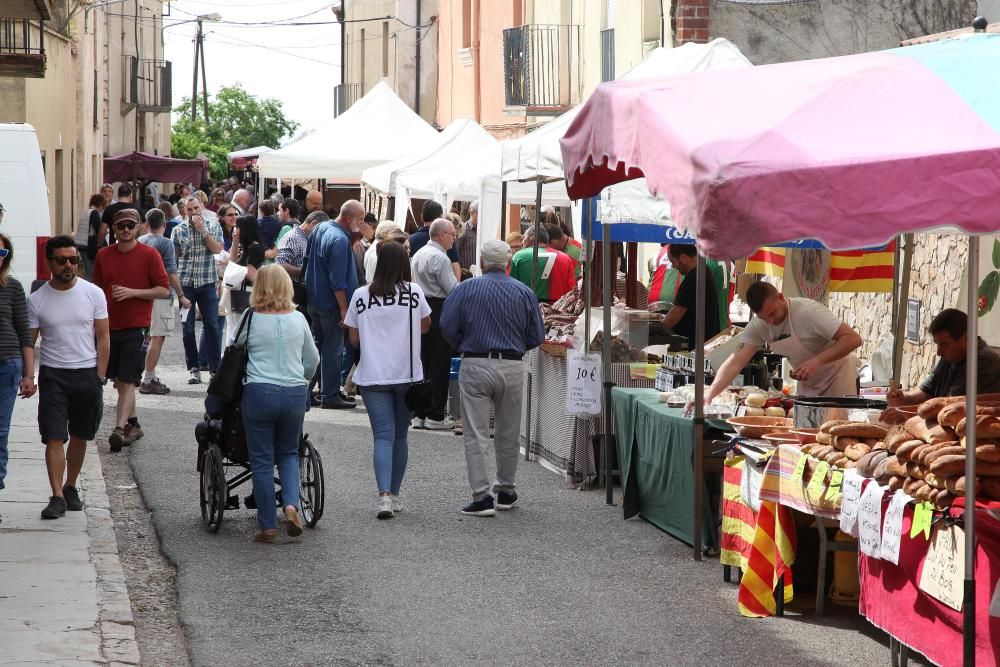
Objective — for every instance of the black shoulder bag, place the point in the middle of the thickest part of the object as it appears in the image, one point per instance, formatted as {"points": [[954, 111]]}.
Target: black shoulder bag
{"points": [[418, 395], [227, 385]]}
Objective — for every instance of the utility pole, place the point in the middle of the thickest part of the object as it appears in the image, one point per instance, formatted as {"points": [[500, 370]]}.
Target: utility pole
{"points": [[199, 57]]}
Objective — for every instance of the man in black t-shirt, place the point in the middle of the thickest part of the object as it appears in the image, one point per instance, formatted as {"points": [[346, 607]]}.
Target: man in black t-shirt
{"points": [[108, 217], [681, 317]]}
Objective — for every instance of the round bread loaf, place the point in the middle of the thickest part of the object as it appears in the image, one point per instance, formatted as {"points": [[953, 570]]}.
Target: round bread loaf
{"points": [[827, 425], [859, 430], [856, 451], [918, 428], [881, 468], [841, 442], [866, 464], [824, 439]]}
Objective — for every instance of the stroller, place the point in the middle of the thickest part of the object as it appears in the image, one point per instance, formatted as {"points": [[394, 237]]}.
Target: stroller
{"points": [[222, 444]]}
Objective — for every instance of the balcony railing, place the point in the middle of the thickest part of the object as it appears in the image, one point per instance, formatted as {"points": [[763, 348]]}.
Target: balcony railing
{"points": [[22, 48], [344, 95], [542, 67], [608, 54], [148, 84]]}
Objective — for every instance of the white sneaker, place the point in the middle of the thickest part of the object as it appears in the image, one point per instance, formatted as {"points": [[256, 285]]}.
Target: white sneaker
{"points": [[384, 507], [195, 376], [445, 424], [397, 504], [417, 422]]}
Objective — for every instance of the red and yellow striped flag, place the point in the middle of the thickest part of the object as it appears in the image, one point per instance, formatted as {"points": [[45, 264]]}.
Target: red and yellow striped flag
{"points": [[771, 556], [768, 261], [738, 518], [862, 270]]}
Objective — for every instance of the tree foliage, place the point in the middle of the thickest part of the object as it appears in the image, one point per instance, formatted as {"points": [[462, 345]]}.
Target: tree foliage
{"points": [[237, 120]]}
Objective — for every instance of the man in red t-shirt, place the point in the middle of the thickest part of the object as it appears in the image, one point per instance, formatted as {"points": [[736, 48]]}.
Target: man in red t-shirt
{"points": [[131, 275]]}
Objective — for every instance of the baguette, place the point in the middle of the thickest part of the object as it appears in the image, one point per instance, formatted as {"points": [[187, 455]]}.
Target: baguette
{"points": [[956, 485], [914, 471], [910, 486], [943, 450], [821, 451], [834, 456], [933, 480], [937, 434], [859, 430], [930, 408], [904, 450], [988, 453], [987, 426], [954, 464], [841, 462], [919, 452]]}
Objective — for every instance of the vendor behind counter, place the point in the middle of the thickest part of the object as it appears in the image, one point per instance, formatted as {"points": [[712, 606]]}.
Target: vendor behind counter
{"points": [[667, 278], [681, 317]]}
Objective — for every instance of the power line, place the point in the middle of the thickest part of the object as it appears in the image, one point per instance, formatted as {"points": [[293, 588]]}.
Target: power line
{"points": [[227, 39]]}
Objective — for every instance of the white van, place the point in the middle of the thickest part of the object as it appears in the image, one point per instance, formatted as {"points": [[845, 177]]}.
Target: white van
{"points": [[25, 200]]}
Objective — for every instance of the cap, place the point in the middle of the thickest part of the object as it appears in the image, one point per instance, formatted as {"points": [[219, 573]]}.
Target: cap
{"points": [[129, 213], [495, 251]]}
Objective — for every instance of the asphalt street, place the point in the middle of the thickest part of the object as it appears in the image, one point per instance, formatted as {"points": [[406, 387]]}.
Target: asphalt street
{"points": [[561, 579]]}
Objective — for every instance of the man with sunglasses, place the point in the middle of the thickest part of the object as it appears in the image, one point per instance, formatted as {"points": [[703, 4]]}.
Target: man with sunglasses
{"points": [[131, 275], [71, 316]]}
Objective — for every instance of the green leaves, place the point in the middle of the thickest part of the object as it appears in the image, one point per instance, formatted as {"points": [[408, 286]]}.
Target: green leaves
{"points": [[988, 291], [237, 120]]}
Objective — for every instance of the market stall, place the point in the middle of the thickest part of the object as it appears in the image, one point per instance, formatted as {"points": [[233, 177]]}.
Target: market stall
{"points": [[897, 171]]}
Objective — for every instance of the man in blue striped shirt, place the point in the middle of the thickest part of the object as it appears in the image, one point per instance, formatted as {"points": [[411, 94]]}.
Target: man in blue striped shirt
{"points": [[492, 321]]}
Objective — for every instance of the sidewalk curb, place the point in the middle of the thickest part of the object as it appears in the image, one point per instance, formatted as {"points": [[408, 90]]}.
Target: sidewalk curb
{"points": [[117, 626]]}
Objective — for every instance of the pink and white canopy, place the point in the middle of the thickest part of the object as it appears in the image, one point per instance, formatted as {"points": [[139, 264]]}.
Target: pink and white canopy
{"points": [[849, 151]]}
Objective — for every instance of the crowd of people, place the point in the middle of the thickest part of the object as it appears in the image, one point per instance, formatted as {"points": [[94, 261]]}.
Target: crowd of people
{"points": [[281, 275]]}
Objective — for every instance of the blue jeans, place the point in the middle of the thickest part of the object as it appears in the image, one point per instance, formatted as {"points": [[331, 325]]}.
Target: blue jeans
{"points": [[272, 419], [10, 384], [351, 356], [203, 343], [329, 339], [208, 305], [390, 422]]}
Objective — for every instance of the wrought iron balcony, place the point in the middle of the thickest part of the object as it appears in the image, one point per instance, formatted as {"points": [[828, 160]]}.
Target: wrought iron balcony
{"points": [[22, 48], [148, 84], [344, 95], [542, 68]]}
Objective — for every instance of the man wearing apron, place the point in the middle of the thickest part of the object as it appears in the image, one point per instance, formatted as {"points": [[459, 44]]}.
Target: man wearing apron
{"points": [[816, 342]]}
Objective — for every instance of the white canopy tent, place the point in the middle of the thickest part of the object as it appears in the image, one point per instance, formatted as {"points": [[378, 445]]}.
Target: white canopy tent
{"points": [[248, 152], [466, 167], [376, 129], [382, 178]]}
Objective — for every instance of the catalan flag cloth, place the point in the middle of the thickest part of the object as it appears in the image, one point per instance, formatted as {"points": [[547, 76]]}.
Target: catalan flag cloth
{"points": [[771, 556], [738, 519], [780, 485], [850, 270]]}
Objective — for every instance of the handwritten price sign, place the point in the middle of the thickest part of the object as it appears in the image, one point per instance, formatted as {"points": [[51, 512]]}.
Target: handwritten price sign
{"points": [[583, 383]]}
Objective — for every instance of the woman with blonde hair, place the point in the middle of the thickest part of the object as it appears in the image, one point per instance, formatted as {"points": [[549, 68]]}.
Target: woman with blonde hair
{"points": [[383, 231], [515, 241], [282, 358]]}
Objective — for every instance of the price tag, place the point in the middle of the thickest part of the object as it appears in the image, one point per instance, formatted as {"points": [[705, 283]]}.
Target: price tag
{"points": [[892, 528], [923, 513], [870, 521], [583, 383], [818, 479], [944, 567], [800, 468], [849, 505], [832, 494]]}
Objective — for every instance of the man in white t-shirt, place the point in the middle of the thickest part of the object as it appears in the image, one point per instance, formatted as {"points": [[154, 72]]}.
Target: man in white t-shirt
{"points": [[818, 344], [71, 316]]}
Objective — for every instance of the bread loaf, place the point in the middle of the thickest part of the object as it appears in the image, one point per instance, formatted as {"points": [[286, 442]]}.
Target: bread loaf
{"points": [[937, 434], [910, 486], [904, 450], [930, 408], [943, 450], [933, 480], [990, 487], [856, 451], [841, 462], [914, 471], [896, 467], [956, 485], [896, 436], [859, 430], [918, 428], [827, 425], [953, 413], [841, 442], [948, 465], [824, 439], [988, 453], [881, 468], [866, 464], [944, 500], [919, 452], [896, 483], [833, 456], [987, 426]]}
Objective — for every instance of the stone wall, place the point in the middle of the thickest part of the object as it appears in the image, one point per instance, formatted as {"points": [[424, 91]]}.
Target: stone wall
{"points": [[935, 278]]}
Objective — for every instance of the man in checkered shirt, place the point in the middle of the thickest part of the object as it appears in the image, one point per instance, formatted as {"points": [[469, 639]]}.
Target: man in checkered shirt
{"points": [[196, 242]]}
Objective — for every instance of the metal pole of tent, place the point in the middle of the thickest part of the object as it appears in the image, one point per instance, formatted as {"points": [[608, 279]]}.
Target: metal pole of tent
{"points": [[971, 373], [534, 288], [586, 327], [699, 402], [606, 361], [503, 210], [897, 254], [903, 278]]}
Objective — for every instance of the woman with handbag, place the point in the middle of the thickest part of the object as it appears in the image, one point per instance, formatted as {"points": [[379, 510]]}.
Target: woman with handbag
{"points": [[380, 316], [281, 358]]}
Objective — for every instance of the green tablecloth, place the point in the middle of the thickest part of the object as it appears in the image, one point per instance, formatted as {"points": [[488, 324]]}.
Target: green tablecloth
{"points": [[656, 457]]}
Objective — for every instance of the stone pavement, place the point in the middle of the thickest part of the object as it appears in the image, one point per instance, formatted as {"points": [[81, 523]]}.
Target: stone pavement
{"points": [[63, 599]]}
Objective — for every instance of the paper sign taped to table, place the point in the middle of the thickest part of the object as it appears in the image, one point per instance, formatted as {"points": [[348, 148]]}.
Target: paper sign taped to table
{"points": [[943, 572], [892, 528], [851, 490], [583, 383], [870, 521]]}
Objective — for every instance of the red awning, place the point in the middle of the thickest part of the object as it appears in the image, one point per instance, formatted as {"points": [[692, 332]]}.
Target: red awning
{"points": [[146, 167]]}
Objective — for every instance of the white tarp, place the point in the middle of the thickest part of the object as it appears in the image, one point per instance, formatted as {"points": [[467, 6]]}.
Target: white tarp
{"points": [[537, 154], [383, 177], [376, 129], [248, 152]]}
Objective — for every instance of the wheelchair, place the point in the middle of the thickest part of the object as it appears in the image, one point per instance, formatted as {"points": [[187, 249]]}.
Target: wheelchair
{"points": [[222, 447]]}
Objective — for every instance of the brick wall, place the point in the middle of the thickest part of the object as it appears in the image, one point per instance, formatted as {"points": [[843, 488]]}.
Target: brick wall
{"points": [[691, 18]]}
